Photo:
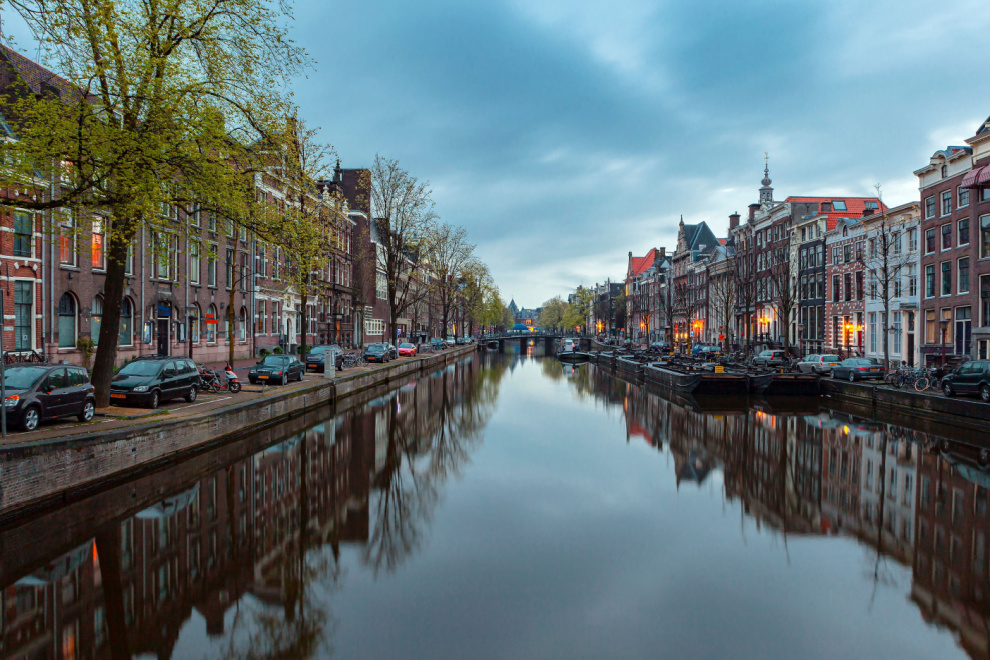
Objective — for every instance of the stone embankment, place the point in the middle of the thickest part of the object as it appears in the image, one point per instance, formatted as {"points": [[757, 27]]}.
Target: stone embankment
{"points": [[37, 474]]}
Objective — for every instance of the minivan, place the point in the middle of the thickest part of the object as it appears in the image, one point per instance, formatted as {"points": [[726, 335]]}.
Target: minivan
{"points": [[147, 381]]}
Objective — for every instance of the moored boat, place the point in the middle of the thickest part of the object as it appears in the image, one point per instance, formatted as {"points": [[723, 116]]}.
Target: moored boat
{"points": [[573, 356], [793, 384]]}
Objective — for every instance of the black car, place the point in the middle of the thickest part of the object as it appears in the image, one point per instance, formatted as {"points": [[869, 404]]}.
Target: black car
{"points": [[148, 381], [853, 369], [393, 352], [277, 369], [377, 353], [970, 378], [316, 358], [39, 392]]}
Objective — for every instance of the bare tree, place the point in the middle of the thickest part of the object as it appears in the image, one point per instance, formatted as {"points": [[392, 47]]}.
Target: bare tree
{"points": [[744, 268], [722, 294], [684, 304], [784, 287], [883, 264], [447, 252], [404, 216]]}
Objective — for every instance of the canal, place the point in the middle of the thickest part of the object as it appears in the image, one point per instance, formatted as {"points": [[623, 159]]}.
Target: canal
{"points": [[512, 507]]}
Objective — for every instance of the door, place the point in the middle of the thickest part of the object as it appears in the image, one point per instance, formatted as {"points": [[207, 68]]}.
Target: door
{"points": [[51, 393], [75, 393], [163, 336], [170, 381], [910, 349]]}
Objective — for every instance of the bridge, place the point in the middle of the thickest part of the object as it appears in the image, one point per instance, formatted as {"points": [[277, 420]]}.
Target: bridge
{"points": [[547, 337]]}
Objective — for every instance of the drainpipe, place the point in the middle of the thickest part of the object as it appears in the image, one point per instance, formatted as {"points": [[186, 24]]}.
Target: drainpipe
{"points": [[144, 282]]}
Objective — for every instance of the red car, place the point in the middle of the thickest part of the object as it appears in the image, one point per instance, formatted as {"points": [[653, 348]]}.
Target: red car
{"points": [[407, 350]]}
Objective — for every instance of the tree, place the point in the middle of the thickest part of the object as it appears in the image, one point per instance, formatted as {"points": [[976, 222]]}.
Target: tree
{"points": [[553, 313], [619, 310], [784, 287], [476, 285], [404, 216], [722, 294], [447, 254], [883, 263], [161, 105], [744, 269]]}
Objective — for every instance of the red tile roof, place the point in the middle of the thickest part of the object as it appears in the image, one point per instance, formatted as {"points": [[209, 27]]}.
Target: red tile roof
{"points": [[854, 207], [640, 264], [721, 241]]}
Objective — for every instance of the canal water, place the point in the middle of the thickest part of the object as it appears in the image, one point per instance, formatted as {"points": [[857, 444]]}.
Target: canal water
{"points": [[513, 507]]}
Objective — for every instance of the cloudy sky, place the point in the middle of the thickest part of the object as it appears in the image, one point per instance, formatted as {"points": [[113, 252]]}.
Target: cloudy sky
{"points": [[565, 133]]}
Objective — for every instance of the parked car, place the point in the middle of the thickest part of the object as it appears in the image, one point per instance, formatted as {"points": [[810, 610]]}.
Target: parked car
{"points": [[708, 351], [393, 352], [377, 353], [460, 341], [771, 358], [697, 349], [450, 341], [818, 364], [437, 343], [316, 358], [973, 377], [36, 393], [854, 369], [659, 347], [407, 350], [148, 381], [276, 369]]}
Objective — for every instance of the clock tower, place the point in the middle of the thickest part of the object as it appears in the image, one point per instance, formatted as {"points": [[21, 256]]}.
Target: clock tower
{"points": [[766, 192]]}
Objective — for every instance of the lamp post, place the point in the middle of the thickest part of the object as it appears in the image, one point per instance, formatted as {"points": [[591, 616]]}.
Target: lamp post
{"points": [[944, 327]]}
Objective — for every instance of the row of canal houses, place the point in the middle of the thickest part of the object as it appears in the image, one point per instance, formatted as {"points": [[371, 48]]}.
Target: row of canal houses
{"points": [[177, 299], [831, 274]]}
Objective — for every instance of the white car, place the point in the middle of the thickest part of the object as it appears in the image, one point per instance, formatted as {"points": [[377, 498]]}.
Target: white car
{"points": [[450, 341]]}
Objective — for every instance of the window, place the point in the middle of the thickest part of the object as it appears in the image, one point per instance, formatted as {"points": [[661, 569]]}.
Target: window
{"points": [[194, 217], [97, 245], [930, 281], [242, 325], [129, 264], [23, 315], [871, 204], [381, 288], [848, 282], [847, 253], [964, 232], [243, 273], [67, 240], [912, 277], [23, 234], [859, 285], [211, 265], [912, 235], [873, 286], [963, 197], [838, 205], [895, 240], [194, 324], [276, 259], [230, 229], [126, 322], [947, 202], [836, 289], [859, 250], [946, 278], [66, 321], [985, 194], [873, 332], [211, 222], [895, 345], [964, 330], [194, 252], [930, 207], [165, 254], [229, 263], [243, 234], [95, 319], [985, 235], [259, 317], [930, 240], [946, 236], [211, 324], [931, 326], [963, 275], [836, 254], [985, 300]]}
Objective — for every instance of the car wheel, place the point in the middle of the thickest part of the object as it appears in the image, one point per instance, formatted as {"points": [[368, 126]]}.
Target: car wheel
{"points": [[985, 393], [285, 379], [155, 400], [253, 381], [89, 409], [852, 377], [191, 395], [32, 416], [947, 389]]}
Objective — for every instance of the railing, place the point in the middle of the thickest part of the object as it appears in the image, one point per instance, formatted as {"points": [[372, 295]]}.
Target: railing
{"points": [[17, 357]]}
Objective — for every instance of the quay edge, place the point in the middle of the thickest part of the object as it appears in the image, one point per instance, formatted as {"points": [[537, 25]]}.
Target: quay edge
{"points": [[37, 475]]}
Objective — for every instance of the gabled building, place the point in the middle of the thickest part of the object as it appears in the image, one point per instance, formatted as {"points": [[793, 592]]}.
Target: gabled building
{"points": [[689, 296], [636, 305]]}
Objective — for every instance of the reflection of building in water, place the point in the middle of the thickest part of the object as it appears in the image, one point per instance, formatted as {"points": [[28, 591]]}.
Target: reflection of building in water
{"points": [[841, 458], [887, 495], [950, 582]]}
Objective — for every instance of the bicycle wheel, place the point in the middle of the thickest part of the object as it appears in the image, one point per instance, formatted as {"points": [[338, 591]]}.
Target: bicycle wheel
{"points": [[921, 384]]}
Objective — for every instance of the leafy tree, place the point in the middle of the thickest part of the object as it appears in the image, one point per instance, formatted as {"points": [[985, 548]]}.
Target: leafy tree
{"points": [[448, 254], [163, 102], [553, 313]]}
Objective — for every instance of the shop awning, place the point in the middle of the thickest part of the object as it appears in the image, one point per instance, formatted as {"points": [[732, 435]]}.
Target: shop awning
{"points": [[978, 177]]}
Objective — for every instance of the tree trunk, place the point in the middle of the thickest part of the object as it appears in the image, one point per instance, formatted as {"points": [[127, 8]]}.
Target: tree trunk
{"points": [[113, 297], [303, 327], [230, 326]]}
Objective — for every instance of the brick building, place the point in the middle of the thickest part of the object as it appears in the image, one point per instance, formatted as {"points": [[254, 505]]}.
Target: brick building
{"points": [[844, 287]]}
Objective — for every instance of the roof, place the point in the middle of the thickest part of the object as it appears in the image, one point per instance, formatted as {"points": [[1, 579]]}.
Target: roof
{"points": [[637, 265], [854, 206], [37, 77], [699, 234], [721, 241]]}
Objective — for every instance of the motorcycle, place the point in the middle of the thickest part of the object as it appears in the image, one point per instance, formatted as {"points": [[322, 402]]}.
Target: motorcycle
{"points": [[210, 381]]}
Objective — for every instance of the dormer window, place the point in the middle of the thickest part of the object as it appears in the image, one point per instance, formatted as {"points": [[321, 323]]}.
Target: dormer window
{"points": [[945, 171], [870, 204], [838, 205]]}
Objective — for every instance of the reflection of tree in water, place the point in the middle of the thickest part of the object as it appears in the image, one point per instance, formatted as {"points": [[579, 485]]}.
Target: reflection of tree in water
{"points": [[432, 431]]}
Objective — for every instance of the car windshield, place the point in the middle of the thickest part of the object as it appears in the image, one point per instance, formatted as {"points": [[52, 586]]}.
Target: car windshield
{"points": [[319, 350], [141, 368], [22, 377], [831, 358], [406, 346], [376, 348], [273, 360]]}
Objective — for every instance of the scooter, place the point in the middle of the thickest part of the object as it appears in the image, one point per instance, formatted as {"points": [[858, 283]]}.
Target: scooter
{"points": [[211, 380]]}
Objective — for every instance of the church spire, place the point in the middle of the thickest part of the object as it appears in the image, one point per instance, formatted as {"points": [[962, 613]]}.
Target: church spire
{"points": [[766, 192]]}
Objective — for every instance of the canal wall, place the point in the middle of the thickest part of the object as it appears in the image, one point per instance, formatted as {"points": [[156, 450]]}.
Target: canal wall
{"points": [[38, 474]]}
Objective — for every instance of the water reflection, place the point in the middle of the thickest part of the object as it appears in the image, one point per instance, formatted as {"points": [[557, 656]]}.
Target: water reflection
{"points": [[251, 547]]}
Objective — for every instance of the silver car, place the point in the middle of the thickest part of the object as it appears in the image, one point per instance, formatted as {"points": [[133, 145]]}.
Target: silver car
{"points": [[819, 364]]}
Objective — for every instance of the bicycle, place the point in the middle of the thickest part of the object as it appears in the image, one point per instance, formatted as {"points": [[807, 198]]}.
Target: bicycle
{"points": [[354, 360], [929, 380]]}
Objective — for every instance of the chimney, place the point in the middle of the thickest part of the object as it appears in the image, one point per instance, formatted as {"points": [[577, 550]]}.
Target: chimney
{"points": [[663, 253], [733, 221], [826, 207], [752, 211]]}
